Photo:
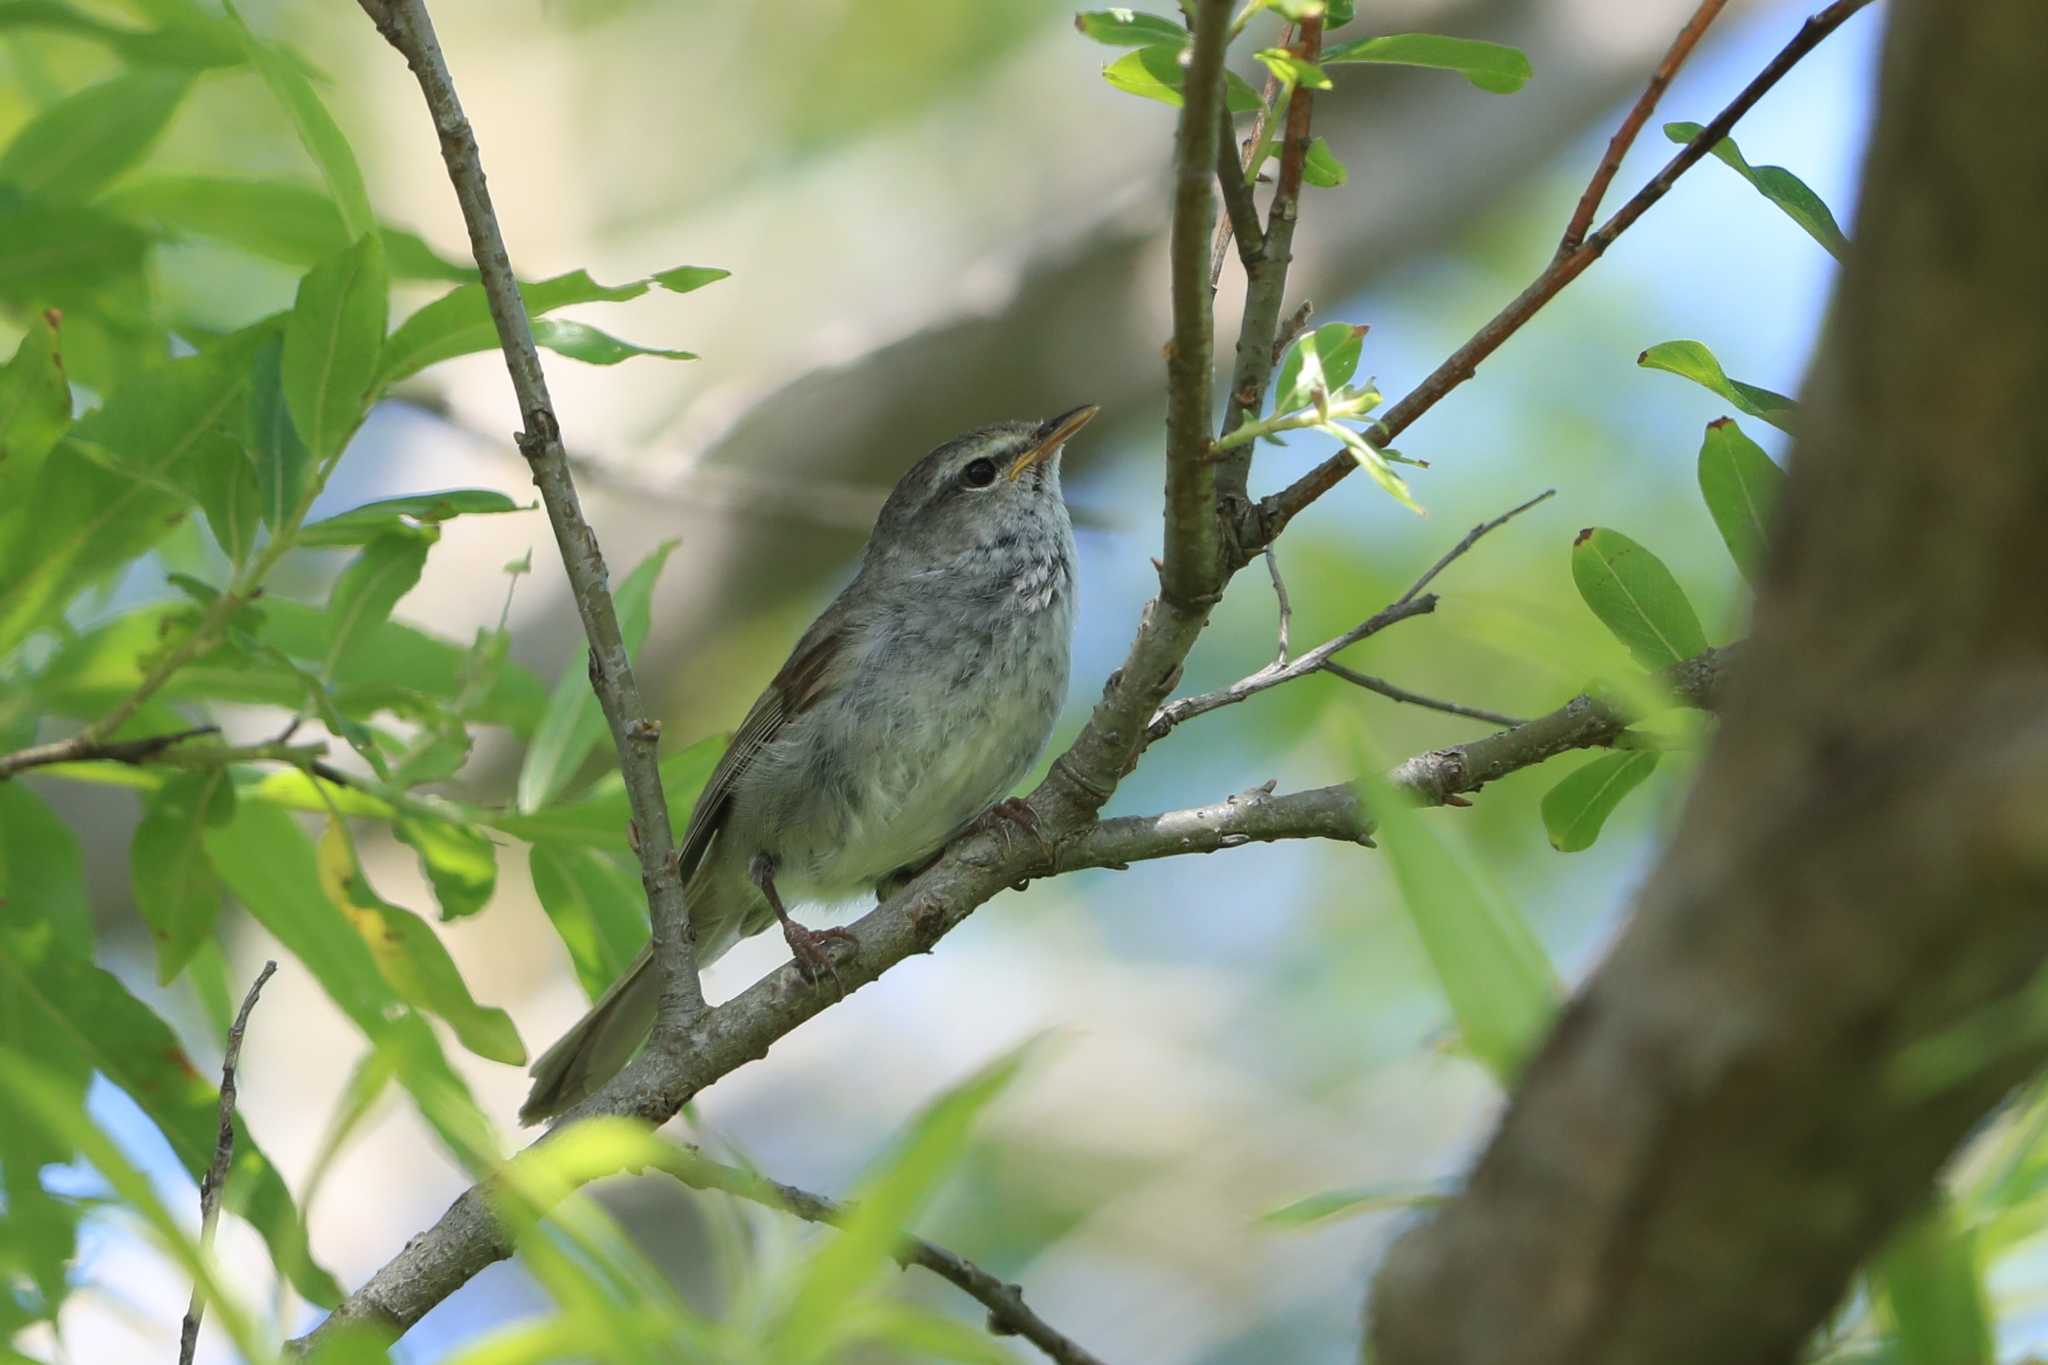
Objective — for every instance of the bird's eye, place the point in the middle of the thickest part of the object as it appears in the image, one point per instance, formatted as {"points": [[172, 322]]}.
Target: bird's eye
{"points": [[979, 474]]}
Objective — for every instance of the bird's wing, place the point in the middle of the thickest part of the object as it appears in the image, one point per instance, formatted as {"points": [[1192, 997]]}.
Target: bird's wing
{"points": [[814, 667]]}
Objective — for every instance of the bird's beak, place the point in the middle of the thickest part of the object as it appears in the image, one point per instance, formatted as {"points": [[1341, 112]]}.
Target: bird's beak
{"points": [[1051, 435]]}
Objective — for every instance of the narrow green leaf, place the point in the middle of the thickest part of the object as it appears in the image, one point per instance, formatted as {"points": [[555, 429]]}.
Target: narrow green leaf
{"points": [[366, 1084], [1337, 13], [1332, 1204], [360, 525], [331, 344], [574, 723], [1636, 598], [80, 1015], [1120, 27], [174, 884], [1931, 1288], [72, 148], [1501, 987], [1292, 69], [580, 341], [1778, 185], [316, 128], [68, 256], [412, 958], [597, 907], [190, 38], [1321, 167], [35, 407], [279, 458], [1155, 73], [459, 322], [1576, 808], [458, 860], [1492, 67], [598, 818], [1374, 462], [224, 481], [1741, 485], [884, 1207], [1324, 359], [42, 871], [1692, 360], [362, 597], [292, 224], [270, 865]]}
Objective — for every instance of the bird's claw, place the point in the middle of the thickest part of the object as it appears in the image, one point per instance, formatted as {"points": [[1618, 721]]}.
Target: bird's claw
{"points": [[813, 958]]}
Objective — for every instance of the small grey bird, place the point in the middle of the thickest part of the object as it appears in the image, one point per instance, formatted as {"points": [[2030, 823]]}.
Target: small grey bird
{"points": [[905, 714]]}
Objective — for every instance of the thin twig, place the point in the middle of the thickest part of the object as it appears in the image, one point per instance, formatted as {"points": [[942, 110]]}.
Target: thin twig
{"points": [[1240, 209], [1617, 146], [83, 747], [1008, 1314], [407, 26], [1273, 513], [1413, 602], [1392, 692], [1280, 597], [223, 1152]]}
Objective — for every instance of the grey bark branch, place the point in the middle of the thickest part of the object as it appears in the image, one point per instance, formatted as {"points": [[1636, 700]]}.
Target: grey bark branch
{"points": [[1723, 1123], [1008, 1314], [406, 25], [223, 1153]]}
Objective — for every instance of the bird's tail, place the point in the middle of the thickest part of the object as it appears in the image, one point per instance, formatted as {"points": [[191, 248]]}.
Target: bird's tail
{"points": [[591, 1053]]}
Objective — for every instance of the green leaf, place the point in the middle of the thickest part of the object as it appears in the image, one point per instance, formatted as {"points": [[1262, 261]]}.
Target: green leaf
{"points": [[66, 256], [35, 407], [362, 597], [331, 345], [270, 865], [1692, 360], [1636, 598], [1374, 462], [574, 723], [1321, 167], [1155, 73], [580, 341], [292, 224], [597, 906], [598, 818], [1332, 1204], [884, 1207], [459, 322], [1932, 1292], [114, 487], [42, 871], [360, 525], [412, 958], [1120, 27], [366, 1084], [1337, 13], [1293, 70], [1501, 987], [1493, 67], [458, 859], [224, 480], [1778, 185], [316, 128], [1741, 485], [1576, 808], [83, 1017], [174, 885], [1324, 359], [72, 148], [280, 459], [189, 38]]}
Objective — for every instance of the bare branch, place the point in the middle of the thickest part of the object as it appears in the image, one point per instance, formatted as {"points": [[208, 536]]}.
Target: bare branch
{"points": [[1280, 599], [1273, 513], [1402, 694], [1241, 210], [1008, 1314], [406, 25], [223, 1153], [1617, 146], [1472, 537], [83, 747]]}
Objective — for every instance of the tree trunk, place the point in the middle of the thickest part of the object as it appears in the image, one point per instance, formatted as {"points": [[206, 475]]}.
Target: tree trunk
{"points": [[1744, 1099]]}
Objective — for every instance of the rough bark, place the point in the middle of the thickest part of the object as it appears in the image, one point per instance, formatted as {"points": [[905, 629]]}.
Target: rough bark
{"points": [[1734, 1111]]}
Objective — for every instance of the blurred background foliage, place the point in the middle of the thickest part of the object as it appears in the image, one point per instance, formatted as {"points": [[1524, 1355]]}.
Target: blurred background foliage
{"points": [[938, 215]]}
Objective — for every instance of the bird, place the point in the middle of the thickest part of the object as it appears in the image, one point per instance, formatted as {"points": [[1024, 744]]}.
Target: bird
{"points": [[903, 716]]}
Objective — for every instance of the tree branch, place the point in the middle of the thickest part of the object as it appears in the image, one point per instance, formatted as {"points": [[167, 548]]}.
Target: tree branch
{"points": [[223, 1152], [407, 26], [1008, 1314], [1617, 146], [82, 747], [1273, 513]]}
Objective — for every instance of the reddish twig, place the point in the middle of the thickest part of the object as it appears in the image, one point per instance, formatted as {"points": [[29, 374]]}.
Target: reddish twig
{"points": [[1617, 146], [1274, 512]]}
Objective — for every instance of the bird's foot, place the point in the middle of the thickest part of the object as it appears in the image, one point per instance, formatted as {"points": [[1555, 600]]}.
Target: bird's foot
{"points": [[813, 957], [1006, 817]]}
